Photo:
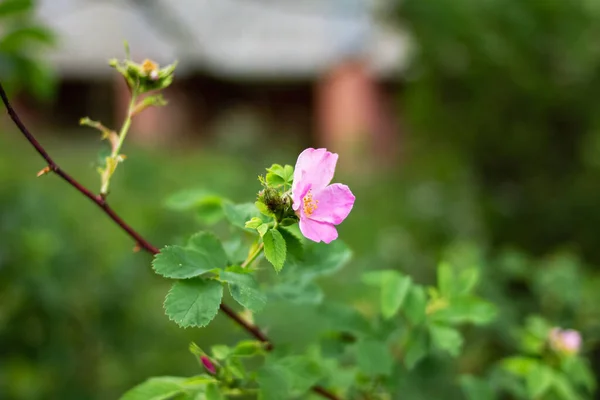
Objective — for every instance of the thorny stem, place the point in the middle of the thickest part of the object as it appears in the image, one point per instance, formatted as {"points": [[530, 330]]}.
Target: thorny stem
{"points": [[100, 201], [122, 135], [126, 125]]}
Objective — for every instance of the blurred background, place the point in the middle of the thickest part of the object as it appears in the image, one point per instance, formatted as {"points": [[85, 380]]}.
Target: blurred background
{"points": [[463, 127]]}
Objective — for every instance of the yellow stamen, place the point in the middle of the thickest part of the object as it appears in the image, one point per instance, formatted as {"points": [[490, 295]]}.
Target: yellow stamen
{"points": [[310, 205], [149, 67]]}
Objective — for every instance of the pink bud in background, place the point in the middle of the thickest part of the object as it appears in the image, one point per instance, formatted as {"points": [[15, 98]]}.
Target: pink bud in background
{"points": [[566, 341]]}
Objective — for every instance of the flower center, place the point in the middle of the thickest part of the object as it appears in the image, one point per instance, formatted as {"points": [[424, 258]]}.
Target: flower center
{"points": [[309, 204], [150, 68]]}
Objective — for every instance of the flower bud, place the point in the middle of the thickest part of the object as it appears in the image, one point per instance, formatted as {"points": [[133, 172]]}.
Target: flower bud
{"points": [[565, 341], [208, 365]]}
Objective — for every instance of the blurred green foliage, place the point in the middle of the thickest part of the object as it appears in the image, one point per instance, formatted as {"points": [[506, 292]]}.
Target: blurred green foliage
{"points": [[509, 90], [22, 39], [502, 173]]}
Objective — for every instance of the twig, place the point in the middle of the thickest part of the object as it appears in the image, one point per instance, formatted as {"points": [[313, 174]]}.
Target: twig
{"points": [[100, 201]]}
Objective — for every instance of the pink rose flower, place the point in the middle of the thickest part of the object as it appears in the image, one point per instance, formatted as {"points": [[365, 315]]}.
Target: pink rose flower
{"points": [[319, 205], [565, 341]]}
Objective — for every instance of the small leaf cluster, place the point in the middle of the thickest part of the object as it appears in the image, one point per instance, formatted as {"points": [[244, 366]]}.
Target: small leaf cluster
{"points": [[228, 376], [413, 322], [144, 77], [22, 40], [434, 314], [141, 79], [542, 372], [233, 374], [201, 269]]}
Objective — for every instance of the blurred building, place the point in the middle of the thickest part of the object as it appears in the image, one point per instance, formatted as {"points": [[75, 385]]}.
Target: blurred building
{"points": [[315, 67]]}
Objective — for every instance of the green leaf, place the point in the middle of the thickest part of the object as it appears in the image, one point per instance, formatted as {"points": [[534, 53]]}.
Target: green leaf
{"points": [[19, 38], [247, 348], [238, 214], [292, 243], [40, 80], [564, 389], [273, 383], [579, 372], [258, 224], [415, 304], [288, 221], [263, 209], [158, 388], [467, 279], [534, 337], [220, 351], [244, 289], [452, 282], [288, 173], [213, 392], [298, 292], [476, 389], [278, 175], [253, 223], [191, 199], [193, 302], [467, 310], [210, 213], [519, 365], [445, 279], [539, 380], [416, 348], [275, 175], [322, 259], [446, 338], [394, 288], [8, 7], [393, 293], [236, 250], [374, 357], [275, 249], [302, 372], [236, 367], [203, 254], [262, 229], [339, 378], [344, 318]]}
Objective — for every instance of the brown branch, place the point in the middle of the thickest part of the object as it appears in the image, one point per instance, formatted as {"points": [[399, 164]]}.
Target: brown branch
{"points": [[100, 201], [52, 166]]}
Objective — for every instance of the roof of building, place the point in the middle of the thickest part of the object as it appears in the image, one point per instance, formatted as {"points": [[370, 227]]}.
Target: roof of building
{"points": [[240, 39]]}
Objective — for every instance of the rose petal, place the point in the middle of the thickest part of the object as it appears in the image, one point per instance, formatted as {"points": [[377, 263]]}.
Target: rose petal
{"points": [[315, 167], [318, 231], [334, 204]]}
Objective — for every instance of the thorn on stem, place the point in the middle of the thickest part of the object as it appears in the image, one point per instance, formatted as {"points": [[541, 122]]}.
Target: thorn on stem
{"points": [[44, 171], [137, 248]]}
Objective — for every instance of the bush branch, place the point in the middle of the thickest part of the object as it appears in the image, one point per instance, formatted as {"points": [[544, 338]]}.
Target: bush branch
{"points": [[100, 201]]}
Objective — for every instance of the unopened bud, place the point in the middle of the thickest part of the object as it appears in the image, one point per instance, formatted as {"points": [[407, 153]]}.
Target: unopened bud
{"points": [[565, 341], [208, 365]]}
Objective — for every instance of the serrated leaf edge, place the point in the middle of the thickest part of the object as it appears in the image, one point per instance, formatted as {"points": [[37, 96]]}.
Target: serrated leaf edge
{"points": [[191, 325]]}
